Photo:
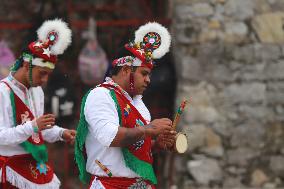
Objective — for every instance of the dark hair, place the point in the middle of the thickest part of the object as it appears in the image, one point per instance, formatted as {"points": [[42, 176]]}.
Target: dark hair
{"points": [[19, 62], [115, 70]]}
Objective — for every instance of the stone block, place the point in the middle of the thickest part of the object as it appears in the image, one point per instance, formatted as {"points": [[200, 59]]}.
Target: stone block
{"points": [[235, 32], [205, 170], [267, 52], [269, 27], [275, 70], [241, 156], [245, 93], [202, 10], [258, 178], [213, 144], [276, 165], [244, 53], [239, 9]]}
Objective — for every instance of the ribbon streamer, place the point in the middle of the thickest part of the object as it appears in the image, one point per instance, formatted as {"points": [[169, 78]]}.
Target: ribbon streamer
{"points": [[178, 113]]}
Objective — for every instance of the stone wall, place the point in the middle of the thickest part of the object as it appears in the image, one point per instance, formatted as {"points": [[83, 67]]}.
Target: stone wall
{"points": [[230, 58]]}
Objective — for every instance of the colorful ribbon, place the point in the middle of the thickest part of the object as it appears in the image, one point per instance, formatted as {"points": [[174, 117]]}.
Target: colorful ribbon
{"points": [[178, 113]]}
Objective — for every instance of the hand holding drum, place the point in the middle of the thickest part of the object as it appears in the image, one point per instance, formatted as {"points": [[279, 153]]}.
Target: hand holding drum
{"points": [[181, 143]]}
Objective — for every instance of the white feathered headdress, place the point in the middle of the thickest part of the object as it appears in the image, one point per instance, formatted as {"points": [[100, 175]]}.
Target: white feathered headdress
{"points": [[54, 36], [155, 34], [152, 41]]}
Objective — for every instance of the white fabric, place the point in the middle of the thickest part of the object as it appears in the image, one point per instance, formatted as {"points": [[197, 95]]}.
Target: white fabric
{"points": [[41, 62], [103, 121], [20, 182], [10, 136], [96, 184]]}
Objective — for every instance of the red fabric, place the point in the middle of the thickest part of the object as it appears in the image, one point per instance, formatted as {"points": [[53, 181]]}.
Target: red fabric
{"points": [[141, 55], [38, 51], [118, 182], [25, 165], [23, 114], [7, 185], [144, 152], [131, 82]]}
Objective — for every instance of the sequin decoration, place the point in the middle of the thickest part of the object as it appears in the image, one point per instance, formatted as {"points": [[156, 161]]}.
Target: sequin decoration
{"points": [[139, 123], [138, 144], [127, 110], [41, 167], [153, 38], [52, 37], [140, 184]]}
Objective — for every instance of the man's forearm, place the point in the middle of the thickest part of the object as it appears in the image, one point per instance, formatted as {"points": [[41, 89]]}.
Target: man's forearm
{"points": [[128, 136]]}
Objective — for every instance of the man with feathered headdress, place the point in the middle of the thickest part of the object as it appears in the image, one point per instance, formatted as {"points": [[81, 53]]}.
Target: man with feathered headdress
{"points": [[23, 125], [115, 134]]}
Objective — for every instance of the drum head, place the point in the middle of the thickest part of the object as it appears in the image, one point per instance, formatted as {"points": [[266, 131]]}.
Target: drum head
{"points": [[181, 143]]}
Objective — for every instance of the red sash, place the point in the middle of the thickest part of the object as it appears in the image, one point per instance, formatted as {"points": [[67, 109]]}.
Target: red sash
{"points": [[122, 182], [25, 165], [24, 114], [131, 118]]}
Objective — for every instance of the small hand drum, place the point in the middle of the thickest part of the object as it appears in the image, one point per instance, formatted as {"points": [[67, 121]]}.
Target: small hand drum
{"points": [[181, 143]]}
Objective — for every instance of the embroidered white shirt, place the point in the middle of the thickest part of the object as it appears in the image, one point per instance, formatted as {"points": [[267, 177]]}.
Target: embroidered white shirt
{"points": [[103, 122], [11, 136]]}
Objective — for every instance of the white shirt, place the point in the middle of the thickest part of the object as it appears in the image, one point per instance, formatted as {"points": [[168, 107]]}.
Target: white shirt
{"points": [[103, 122], [11, 136]]}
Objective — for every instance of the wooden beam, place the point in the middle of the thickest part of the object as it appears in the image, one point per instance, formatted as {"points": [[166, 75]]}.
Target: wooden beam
{"points": [[81, 24]]}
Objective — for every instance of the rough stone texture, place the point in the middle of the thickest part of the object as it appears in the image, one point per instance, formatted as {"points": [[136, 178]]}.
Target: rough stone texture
{"points": [[269, 27], [201, 10], [248, 135], [275, 71], [246, 93], [213, 144], [235, 32], [196, 136], [233, 182], [267, 52], [205, 170], [202, 106], [230, 55], [241, 156], [241, 9], [258, 178], [276, 165]]}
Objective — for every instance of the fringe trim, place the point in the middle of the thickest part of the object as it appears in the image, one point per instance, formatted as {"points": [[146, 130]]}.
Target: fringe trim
{"points": [[82, 131], [142, 168], [20, 182]]}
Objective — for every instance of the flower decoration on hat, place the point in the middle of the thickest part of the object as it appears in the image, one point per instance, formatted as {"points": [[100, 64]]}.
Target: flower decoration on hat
{"points": [[54, 36], [152, 41]]}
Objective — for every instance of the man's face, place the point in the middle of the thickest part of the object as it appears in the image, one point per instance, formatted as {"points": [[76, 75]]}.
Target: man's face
{"points": [[40, 75], [141, 79]]}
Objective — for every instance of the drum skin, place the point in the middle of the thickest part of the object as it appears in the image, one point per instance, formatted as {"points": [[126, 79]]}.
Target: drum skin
{"points": [[181, 143]]}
